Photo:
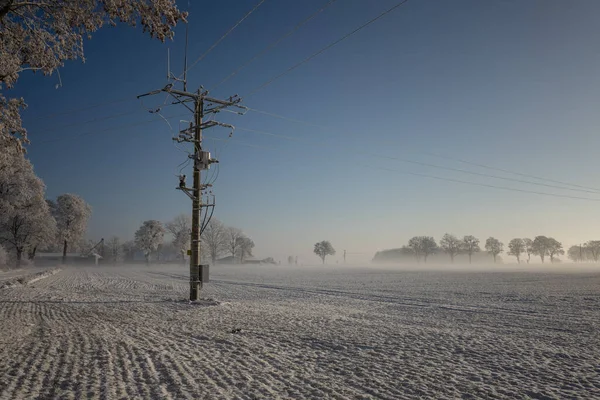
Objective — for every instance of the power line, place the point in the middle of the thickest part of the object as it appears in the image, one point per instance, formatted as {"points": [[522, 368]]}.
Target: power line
{"points": [[267, 83], [272, 45], [506, 188], [286, 118], [211, 48], [79, 135], [121, 100], [463, 171], [508, 171], [484, 184], [107, 117], [268, 134], [589, 188], [56, 128], [239, 143], [92, 106], [48, 116]]}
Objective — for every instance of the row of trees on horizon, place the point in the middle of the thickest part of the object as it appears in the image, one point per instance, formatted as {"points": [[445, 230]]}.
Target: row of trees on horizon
{"points": [[30, 223], [421, 247], [217, 239]]}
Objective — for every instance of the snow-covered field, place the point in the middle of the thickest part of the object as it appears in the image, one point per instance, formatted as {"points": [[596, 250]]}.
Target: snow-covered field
{"points": [[125, 333]]}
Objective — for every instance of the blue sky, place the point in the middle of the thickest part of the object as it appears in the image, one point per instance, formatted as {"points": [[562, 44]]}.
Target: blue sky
{"points": [[509, 84]]}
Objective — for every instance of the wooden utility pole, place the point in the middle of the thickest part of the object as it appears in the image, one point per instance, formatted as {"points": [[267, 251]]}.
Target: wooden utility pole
{"points": [[196, 278], [202, 161]]}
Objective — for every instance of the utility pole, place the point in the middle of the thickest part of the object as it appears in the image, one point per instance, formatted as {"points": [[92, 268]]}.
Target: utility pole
{"points": [[196, 278], [202, 105]]}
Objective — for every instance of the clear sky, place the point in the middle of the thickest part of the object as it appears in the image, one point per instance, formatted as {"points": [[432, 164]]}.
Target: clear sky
{"points": [[506, 83]]}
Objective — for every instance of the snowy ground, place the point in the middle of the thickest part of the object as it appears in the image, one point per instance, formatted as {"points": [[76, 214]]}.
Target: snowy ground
{"points": [[124, 333]]}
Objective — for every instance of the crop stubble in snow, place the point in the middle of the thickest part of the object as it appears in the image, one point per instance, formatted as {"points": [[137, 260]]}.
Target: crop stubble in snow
{"points": [[124, 333]]}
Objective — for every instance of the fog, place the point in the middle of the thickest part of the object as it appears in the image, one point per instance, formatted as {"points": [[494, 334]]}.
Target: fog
{"points": [[561, 268], [392, 199]]}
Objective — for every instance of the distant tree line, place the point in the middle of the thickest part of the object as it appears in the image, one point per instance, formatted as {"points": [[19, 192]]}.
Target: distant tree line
{"points": [[217, 240], [30, 224], [546, 248], [588, 252]]}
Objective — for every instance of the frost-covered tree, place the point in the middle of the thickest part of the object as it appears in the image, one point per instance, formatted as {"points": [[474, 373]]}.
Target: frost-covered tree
{"points": [[593, 247], [17, 180], [516, 247], [129, 249], [423, 246], [494, 247], [181, 229], [215, 239], [576, 253], [40, 35], [555, 248], [114, 249], [470, 246], [71, 214], [165, 249], [233, 236], [528, 243], [148, 237], [245, 248], [415, 245], [24, 230], [25, 219], [87, 247], [451, 245], [12, 134], [324, 249], [540, 246]]}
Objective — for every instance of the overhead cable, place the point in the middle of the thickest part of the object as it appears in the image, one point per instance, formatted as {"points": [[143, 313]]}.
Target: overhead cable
{"points": [[211, 48], [293, 67], [272, 45]]}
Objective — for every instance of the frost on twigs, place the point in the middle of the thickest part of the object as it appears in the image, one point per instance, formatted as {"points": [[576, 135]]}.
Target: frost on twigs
{"points": [[72, 214], [149, 237], [25, 219], [40, 35], [12, 134]]}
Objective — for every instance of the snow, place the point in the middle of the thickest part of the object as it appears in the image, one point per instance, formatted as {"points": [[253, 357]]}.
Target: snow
{"points": [[18, 278], [273, 332]]}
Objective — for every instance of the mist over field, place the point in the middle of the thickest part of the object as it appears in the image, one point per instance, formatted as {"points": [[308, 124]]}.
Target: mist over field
{"points": [[316, 199]]}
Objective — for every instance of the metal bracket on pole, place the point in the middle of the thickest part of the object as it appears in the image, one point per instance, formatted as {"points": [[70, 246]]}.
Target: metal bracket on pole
{"points": [[189, 191]]}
